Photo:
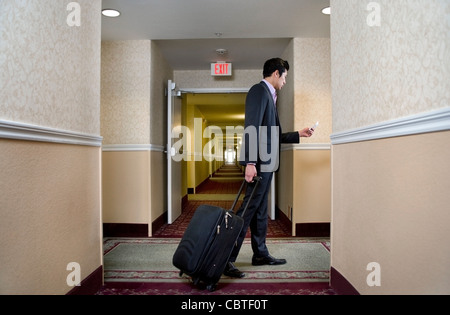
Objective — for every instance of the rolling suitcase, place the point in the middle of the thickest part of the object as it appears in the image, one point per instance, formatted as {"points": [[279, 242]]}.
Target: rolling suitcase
{"points": [[208, 241]]}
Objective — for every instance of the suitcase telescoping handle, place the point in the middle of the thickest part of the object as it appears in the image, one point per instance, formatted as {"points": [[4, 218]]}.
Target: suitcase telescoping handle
{"points": [[256, 179]]}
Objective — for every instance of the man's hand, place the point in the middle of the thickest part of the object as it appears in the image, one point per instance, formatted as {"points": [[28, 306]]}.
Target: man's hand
{"points": [[306, 133], [250, 173]]}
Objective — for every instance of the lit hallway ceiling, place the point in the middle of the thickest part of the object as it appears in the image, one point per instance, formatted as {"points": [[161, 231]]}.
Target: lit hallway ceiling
{"points": [[186, 30], [211, 106]]}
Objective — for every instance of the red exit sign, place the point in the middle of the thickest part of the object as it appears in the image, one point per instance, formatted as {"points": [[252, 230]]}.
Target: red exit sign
{"points": [[221, 69]]}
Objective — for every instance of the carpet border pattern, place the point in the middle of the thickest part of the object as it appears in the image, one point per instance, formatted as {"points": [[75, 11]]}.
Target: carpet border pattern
{"points": [[173, 276]]}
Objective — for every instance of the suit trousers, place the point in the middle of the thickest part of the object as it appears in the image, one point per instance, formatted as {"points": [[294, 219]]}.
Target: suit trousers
{"points": [[256, 217]]}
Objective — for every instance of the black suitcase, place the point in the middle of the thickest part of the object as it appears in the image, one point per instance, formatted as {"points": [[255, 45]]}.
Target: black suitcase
{"points": [[208, 241]]}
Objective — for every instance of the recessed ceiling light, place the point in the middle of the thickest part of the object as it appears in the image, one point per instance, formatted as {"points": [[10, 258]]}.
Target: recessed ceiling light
{"points": [[327, 11], [221, 51], [111, 13]]}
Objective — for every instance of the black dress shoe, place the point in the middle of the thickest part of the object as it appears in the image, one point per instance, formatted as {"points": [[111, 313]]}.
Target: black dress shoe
{"points": [[232, 272], [267, 260]]}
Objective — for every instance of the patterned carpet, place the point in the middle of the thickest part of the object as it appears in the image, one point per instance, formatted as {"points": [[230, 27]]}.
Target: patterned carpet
{"points": [[276, 228], [220, 191], [232, 289], [143, 267]]}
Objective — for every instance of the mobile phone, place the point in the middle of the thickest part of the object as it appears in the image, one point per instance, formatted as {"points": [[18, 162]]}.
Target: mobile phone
{"points": [[315, 126]]}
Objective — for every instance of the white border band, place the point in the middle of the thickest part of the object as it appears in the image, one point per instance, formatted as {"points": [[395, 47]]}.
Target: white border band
{"points": [[306, 146], [27, 132], [132, 148], [435, 121]]}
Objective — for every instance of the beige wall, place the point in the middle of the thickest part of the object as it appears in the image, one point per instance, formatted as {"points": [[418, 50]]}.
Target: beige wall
{"points": [[312, 94], [125, 92], [158, 184], [50, 209], [304, 185], [304, 181], [390, 195], [312, 186], [397, 69], [133, 187], [50, 204], [161, 72], [49, 72], [201, 79], [126, 187], [285, 184], [306, 97], [286, 97], [134, 79], [390, 206]]}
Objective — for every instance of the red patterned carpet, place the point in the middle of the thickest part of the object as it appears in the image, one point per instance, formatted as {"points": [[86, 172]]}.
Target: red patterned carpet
{"points": [[237, 289], [226, 181], [176, 230], [143, 267]]}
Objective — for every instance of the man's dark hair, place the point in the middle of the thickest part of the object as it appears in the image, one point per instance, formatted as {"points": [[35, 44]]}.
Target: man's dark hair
{"points": [[273, 65]]}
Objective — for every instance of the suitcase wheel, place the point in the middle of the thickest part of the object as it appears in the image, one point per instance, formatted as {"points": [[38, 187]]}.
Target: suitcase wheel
{"points": [[211, 287], [195, 281]]}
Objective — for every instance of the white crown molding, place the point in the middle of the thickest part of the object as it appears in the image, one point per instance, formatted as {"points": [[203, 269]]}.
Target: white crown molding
{"points": [[306, 146], [132, 147], [435, 121], [27, 132]]}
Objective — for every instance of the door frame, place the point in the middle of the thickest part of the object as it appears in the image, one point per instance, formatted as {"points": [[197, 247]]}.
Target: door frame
{"points": [[271, 206]]}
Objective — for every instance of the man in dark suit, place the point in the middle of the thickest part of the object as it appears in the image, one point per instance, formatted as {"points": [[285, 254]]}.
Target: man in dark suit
{"points": [[260, 155]]}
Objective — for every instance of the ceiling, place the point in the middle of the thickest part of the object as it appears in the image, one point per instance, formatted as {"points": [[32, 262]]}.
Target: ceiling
{"points": [[226, 110], [185, 30], [188, 33]]}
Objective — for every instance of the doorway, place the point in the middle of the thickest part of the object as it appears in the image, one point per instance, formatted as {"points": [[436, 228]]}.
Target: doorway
{"points": [[215, 120], [210, 170]]}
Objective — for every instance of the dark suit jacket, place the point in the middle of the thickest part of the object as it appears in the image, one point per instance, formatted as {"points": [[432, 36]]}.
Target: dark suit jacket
{"points": [[261, 118]]}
